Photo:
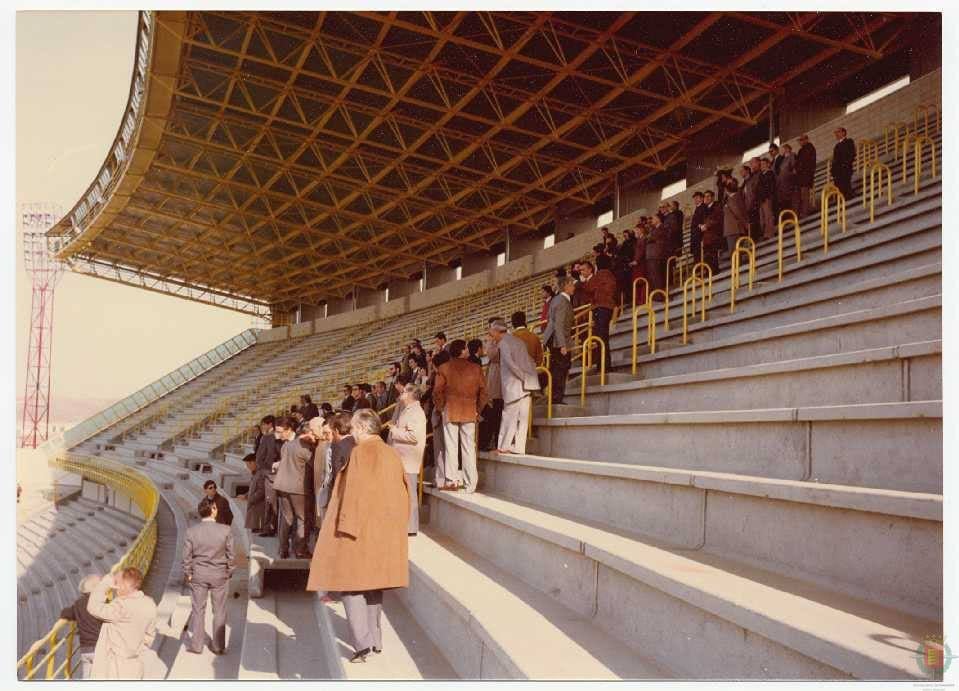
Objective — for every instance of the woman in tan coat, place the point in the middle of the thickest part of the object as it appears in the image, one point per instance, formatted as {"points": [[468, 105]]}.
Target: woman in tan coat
{"points": [[363, 547]]}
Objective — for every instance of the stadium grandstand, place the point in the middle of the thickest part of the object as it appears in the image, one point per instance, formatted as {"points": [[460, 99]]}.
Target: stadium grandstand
{"points": [[734, 459]]}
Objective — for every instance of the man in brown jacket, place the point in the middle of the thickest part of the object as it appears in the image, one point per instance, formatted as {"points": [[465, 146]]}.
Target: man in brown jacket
{"points": [[460, 392], [600, 289]]}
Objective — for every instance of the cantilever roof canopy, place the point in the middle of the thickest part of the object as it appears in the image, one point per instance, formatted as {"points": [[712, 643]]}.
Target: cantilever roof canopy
{"points": [[268, 159]]}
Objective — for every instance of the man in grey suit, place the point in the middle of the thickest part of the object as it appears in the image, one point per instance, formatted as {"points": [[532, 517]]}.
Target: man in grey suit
{"points": [[519, 380], [558, 336], [290, 487], [207, 566]]}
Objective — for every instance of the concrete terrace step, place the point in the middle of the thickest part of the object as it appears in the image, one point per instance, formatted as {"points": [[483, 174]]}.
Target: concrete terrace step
{"points": [[491, 625], [908, 372], [874, 327], [702, 616], [881, 445], [836, 536]]}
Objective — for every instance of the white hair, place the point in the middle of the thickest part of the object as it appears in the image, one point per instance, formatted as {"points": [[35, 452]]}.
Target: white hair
{"points": [[89, 583], [366, 421]]}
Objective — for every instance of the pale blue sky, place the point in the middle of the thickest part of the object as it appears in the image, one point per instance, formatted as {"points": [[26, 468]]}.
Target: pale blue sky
{"points": [[109, 339]]}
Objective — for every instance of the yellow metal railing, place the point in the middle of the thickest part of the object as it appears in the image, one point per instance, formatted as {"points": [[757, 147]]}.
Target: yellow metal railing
{"points": [[689, 287], [53, 655], [829, 192], [788, 218], [705, 272], [650, 331], [867, 153], [918, 146], [653, 294], [891, 134], [925, 109], [879, 174], [744, 245], [602, 366]]}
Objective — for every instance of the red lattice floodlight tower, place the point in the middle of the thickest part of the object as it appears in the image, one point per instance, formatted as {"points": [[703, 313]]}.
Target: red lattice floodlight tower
{"points": [[45, 270]]}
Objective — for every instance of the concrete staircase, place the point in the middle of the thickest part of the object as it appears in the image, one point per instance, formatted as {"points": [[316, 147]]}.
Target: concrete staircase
{"points": [[762, 502]]}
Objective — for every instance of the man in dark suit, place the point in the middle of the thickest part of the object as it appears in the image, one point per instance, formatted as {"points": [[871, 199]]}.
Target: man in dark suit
{"points": [[676, 219], [88, 626], [558, 336], [207, 566], [712, 230], [308, 408], [255, 496], [223, 513], [843, 159], [657, 253], [805, 173], [697, 226], [750, 188]]}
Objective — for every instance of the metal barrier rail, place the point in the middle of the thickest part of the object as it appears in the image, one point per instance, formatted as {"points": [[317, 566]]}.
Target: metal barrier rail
{"points": [[918, 146], [583, 372], [878, 173], [867, 152], [650, 331], [925, 109], [58, 647], [744, 245], [690, 286], [787, 218], [829, 192]]}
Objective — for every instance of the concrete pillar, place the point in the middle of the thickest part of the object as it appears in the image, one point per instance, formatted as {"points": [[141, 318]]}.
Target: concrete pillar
{"points": [[400, 289], [481, 261], [438, 275], [366, 297], [310, 312]]}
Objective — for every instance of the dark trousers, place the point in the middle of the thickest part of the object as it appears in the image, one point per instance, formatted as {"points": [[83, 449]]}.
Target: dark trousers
{"points": [[292, 510], [559, 365], [489, 427], [655, 273], [843, 180], [601, 319], [216, 587]]}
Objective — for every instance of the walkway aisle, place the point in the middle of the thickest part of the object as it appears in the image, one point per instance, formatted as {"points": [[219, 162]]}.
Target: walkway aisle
{"points": [[408, 653]]}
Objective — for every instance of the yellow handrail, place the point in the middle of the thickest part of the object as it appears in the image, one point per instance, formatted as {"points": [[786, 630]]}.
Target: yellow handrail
{"points": [[925, 109], [829, 193], [691, 284], [650, 331], [645, 283], [141, 490], [649, 301], [744, 245], [675, 259], [877, 174], [918, 143], [894, 128], [705, 271], [868, 151], [787, 218], [583, 371]]}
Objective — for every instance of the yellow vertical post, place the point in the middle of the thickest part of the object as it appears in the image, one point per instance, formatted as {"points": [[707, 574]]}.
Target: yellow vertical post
{"points": [[602, 367], [918, 147], [650, 331], [879, 173], [690, 285], [788, 218], [705, 272], [649, 301], [744, 245]]}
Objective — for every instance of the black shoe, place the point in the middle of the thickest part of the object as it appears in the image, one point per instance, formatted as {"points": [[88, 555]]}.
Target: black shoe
{"points": [[377, 650], [195, 652], [221, 651], [284, 555], [360, 655]]}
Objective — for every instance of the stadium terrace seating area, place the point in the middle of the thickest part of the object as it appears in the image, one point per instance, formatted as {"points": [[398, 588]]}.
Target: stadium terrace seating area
{"points": [[56, 548], [762, 500]]}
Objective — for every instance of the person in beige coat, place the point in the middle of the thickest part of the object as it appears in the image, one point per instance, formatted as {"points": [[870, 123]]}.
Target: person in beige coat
{"points": [[363, 548], [129, 626], [408, 437]]}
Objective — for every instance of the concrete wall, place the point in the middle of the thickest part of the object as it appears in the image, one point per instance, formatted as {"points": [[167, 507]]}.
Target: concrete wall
{"points": [[527, 258], [106, 495]]}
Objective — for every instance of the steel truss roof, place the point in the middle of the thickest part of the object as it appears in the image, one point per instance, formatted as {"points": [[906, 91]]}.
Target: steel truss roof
{"points": [[277, 158]]}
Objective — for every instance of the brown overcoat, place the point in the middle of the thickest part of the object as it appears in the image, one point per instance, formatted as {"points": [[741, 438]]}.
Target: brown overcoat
{"points": [[363, 543]]}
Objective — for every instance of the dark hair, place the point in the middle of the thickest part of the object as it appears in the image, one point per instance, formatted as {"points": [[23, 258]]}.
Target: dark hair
{"points": [[439, 334], [457, 347], [732, 185], [589, 264], [549, 290], [381, 383], [442, 357], [697, 194], [294, 410], [205, 508], [395, 364], [250, 458], [474, 345], [403, 379], [268, 420], [306, 397], [286, 422], [325, 406], [341, 422], [603, 262], [518, 319], [208, 484], [599, 247]]}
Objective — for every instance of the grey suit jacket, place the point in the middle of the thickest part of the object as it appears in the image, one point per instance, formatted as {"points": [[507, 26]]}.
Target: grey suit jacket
{"points": [[517, 369], [735, 216], [291, 475], [559, 329], [256, 499], [208, 551]]}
